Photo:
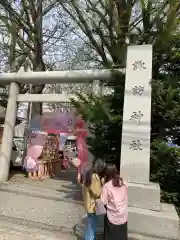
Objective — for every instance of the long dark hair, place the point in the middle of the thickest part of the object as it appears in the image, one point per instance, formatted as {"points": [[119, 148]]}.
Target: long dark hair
{"points": [[113, 174], [99, 168]]}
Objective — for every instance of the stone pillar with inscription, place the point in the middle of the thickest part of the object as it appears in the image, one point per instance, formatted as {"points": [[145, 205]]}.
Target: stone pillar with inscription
{"points": [[135, 151], [147, 216]]}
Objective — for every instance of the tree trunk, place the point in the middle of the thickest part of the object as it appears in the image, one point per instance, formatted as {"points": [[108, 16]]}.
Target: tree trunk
{"points": [[38, 64]]}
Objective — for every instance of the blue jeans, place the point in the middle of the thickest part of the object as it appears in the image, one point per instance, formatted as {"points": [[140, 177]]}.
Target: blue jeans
{"points": [[90, 231]]}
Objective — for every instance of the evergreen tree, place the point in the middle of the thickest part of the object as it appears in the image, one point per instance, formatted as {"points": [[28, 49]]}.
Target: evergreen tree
{"points": [[157, 23], [161, 30]]}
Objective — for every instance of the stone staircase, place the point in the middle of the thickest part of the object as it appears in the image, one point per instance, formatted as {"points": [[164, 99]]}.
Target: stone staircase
{"points": [[46, 209], [52, 209]]}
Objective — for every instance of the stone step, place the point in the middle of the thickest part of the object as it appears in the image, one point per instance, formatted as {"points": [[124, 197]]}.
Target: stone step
{"points": [[54, 215], [146, 224], [59, 193], [145, 196], [41, 209], [163, 224], [14, 230]]}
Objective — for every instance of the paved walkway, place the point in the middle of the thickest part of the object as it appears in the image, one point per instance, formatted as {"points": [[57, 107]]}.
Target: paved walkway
{"points": [[46, 209]]}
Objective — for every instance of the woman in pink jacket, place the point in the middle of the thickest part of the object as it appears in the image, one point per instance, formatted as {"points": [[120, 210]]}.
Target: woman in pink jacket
{"points": [[115, 199]]}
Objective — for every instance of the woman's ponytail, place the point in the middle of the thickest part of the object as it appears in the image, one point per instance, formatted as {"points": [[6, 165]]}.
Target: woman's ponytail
{"points": [[113, 175]]}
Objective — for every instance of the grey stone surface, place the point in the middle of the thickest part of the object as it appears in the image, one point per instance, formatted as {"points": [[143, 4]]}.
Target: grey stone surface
{"points": [[160, 224], [145, 196], [135, 143], [8, 131], [59, 192], [62, 188], [12, 231], [46, 209], [58, 214]]}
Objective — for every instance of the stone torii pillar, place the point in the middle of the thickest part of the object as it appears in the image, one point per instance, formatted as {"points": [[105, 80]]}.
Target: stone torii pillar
{"points": [[8, 132]]}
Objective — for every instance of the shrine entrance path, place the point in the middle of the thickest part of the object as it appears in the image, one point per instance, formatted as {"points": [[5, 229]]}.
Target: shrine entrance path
{"points": [[46, 209]]}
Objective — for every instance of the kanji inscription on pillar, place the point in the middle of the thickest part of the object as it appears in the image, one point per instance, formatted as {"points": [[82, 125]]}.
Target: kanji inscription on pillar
{"points": [[135, 145], [139, 65], [137, 116], [138, 90]]}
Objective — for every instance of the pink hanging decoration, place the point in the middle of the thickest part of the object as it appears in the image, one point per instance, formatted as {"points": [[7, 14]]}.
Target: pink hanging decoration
{"points": [[81, 134], [58, 122], [34, 151], [30, 164]]}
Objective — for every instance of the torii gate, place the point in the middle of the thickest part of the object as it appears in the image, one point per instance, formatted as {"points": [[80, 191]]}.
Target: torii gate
{"points": [[48, 77], [147, 216]]}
